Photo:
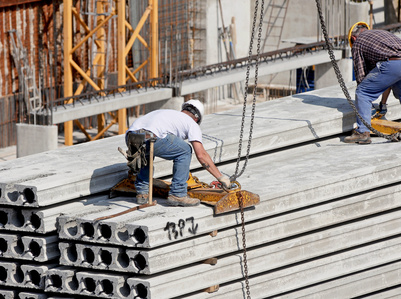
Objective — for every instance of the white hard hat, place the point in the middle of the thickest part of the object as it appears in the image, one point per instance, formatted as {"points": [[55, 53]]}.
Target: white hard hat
{"points": [[197, 107]]}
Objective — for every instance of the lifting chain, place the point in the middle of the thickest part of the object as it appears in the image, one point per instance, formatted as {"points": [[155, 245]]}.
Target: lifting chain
{"points": [[236, 175], [393, 137]]}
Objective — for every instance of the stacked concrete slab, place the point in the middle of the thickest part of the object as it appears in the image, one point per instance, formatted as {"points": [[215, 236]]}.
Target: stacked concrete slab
{"points": [[328, 223]]}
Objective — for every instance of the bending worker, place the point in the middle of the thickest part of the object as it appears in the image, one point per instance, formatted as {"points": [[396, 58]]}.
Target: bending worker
{"points": [[171, 128], [377, 64]]}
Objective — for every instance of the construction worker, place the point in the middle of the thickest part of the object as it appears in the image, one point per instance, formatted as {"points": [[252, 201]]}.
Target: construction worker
{"points": [[170, 128], [376, 56]]}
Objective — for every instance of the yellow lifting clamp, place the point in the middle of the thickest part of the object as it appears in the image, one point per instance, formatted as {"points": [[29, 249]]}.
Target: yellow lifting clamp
{"points": [[223, 200], [385, 126]]}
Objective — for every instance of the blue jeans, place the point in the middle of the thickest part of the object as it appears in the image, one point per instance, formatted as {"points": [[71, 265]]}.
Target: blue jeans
{"points": [[170, 148], [386, 74]]}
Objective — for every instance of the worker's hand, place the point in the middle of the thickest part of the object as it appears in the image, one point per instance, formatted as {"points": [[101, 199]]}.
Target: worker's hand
{"points": [[225, 181]]}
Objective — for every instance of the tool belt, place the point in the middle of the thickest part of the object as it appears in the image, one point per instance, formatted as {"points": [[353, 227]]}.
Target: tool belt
{"points": [[136, 153]]}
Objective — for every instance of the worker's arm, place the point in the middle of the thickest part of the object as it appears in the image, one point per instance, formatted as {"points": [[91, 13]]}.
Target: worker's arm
{"points": [[385, 96], [207, 163]]}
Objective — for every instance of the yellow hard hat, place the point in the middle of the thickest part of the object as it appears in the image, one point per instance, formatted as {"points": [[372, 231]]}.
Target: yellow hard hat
{"points": [[352, 29]]}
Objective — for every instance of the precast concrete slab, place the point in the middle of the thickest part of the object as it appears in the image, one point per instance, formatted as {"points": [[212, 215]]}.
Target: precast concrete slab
{"points": [[57, 176], [35, 275], [313, 272], [28, 295], [36, 248], [8, 294], [73, 281], [61, 280], [392, 293], [261, 232], [327, 170], [360, 285], [18, 274], [43, 220]]}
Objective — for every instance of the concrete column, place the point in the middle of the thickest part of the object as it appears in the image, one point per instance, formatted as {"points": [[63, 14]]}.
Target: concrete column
{"points": [[325, 75], [32, 139]]}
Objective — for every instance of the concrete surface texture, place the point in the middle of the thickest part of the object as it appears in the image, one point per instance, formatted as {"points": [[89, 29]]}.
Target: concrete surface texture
{"points": [[328, 221]]}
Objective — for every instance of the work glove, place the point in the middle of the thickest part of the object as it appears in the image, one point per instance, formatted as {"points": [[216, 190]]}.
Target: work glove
{"points": [[379, 110], [225, 181], [137, 160]]}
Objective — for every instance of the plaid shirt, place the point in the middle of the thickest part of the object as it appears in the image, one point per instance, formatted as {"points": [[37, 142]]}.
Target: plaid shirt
{"points": [[372, 46]]}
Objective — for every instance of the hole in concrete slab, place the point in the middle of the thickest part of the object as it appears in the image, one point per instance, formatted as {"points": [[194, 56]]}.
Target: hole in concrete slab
{"points": [[105, 257], [125, 290], [139, 235], [72, 254], [89, 256], [35, 221], [13, 196], [90, 284], [123, 260], [19, 219], [18, 247], [55, 281], [35, 277], [71, 228], [73, 284], [123, 235], [3, 245], [29, 195], [105, 231], [107, 286], [19, 275], [3, 218], [141, 290], [3, 274], [140, 262], [35, 248], [88, 229]]}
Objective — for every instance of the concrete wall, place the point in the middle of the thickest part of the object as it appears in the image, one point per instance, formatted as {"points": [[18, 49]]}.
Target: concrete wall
{"points": [[241, 12], [33, 139]]}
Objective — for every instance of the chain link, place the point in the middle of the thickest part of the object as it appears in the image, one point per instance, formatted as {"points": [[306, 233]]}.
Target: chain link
{"points": [[236, 174], [241, 204], [393, 137]]}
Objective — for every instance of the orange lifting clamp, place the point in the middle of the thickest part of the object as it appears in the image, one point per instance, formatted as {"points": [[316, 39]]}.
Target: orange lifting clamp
{"points": [[223, 200]]}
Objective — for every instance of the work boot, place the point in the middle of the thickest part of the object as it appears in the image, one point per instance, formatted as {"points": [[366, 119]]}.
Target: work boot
{"points": [[356, 137], [142, 199], [184, 201]]}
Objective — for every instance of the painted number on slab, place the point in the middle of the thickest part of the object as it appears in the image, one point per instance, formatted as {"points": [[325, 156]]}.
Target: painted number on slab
{"points": [[176, 230]]}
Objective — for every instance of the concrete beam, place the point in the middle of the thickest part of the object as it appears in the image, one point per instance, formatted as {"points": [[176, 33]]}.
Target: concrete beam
{"points": [[265, 68], [92, 107]]}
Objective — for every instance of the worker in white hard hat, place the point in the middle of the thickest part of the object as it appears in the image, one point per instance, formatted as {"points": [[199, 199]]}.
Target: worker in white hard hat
{"points": [[376, 56], [171, 128]]}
